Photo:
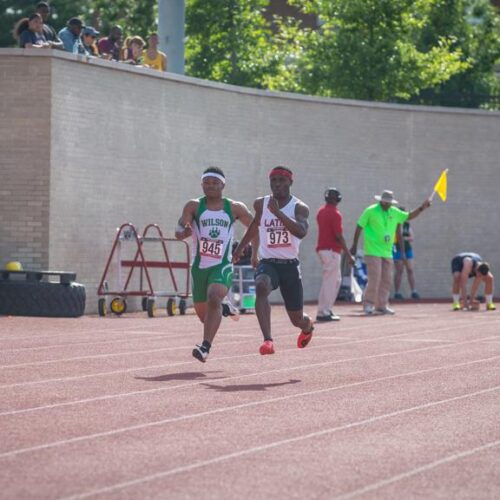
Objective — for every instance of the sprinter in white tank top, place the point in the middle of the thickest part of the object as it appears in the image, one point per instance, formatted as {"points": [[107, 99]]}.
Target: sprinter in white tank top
{"points": [[280, 223]]}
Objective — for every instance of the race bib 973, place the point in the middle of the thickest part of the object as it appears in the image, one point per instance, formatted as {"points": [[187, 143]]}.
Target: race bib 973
{"points": [[278, 238]]}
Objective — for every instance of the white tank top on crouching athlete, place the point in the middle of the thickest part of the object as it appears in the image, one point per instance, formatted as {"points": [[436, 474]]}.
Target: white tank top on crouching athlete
{"points": [[276, 241]]}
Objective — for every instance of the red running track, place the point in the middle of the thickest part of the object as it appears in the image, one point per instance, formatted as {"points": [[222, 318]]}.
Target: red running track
{"points": [[375, 407]]}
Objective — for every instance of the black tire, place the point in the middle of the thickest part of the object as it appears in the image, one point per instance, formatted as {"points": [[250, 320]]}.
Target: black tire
{"points": [[41, 298], [118, 306], [101, 307], [171, 307], [144, 303], [182, 307], [151, 307]]}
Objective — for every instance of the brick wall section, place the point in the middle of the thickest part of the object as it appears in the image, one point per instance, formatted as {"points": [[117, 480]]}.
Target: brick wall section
{"points": [[130, 145], [25, 85]]}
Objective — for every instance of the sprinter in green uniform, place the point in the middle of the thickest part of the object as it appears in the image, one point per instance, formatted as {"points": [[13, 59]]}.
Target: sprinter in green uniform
{"points": [[210, 221]]}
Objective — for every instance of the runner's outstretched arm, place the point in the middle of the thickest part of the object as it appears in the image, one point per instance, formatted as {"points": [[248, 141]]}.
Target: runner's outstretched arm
{"points": [[183, 229], [241, 213], [252, 232]]}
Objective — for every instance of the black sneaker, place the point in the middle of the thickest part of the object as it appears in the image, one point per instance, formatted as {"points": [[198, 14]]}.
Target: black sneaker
{"points": [[330, 317], [200, 353], [228, 310], [324, 318]]}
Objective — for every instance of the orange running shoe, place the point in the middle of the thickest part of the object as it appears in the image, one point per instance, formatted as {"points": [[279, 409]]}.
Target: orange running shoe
{"points": [[304, 338], [267, 347]]}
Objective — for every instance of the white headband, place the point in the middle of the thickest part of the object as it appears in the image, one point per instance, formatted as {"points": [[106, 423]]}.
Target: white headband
{"points": [[214, 174]]}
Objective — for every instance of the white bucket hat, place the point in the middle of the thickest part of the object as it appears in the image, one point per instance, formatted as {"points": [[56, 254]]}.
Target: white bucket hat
{"points": [[387, 197]]}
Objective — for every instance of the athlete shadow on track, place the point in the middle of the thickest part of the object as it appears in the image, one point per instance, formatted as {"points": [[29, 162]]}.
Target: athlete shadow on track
{"points": [[250, 387], [180, 376]]}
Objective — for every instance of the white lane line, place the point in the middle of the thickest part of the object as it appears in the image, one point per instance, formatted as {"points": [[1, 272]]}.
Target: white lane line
{"points": [[224, 409], [226, 379], [143, 334], [137, 335], [336, 337], [136, 338], [144, 328], [149, 336], [100, 356], [418, 470], [72, 332], [275, 444], [424, 340], [126, 353], [135, 330], [222, 358]]}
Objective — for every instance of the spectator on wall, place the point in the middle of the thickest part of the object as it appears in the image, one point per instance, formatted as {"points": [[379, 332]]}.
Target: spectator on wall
{"points": [[89, 38], [110, 46], [70, 36], [43, 8], [133, 53], [28, 32], [125, 51], [152, 57]]}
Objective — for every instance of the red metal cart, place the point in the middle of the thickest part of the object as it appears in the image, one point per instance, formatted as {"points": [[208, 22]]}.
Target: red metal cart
{"points": [[146, 283]]}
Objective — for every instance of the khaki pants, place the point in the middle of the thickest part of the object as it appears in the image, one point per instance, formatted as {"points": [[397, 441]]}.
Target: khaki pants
{"points": [[330, 284], [378, 288]]}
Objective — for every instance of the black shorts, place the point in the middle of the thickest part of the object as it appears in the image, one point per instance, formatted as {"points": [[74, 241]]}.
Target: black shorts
{"points": [[457, 264], [284, 274]]}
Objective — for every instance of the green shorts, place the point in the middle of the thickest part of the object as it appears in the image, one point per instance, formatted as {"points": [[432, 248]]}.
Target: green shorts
{"points": [[203, 278]]}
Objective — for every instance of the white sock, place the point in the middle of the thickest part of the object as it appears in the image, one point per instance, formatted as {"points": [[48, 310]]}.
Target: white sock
{"points": [[489, 299], [456, 297]]}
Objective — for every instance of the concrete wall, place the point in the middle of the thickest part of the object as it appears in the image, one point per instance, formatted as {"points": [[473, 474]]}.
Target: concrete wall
{"points": [[128, 144], [25, 90]]}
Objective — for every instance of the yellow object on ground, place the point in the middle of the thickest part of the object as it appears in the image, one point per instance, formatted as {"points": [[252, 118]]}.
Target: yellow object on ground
{"points": [[13, 266]]}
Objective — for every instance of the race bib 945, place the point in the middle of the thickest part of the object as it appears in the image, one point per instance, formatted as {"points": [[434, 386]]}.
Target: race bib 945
{"points": [[211, 248]]}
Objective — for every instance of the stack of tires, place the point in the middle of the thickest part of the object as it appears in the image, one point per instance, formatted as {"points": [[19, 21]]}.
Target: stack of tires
{"points": [[23, 293]]}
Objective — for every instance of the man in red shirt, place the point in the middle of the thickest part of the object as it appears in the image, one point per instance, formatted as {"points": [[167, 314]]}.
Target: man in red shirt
{"points": [[329, 248]]}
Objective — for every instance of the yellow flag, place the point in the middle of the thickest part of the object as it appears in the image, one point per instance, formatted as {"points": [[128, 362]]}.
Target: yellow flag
{"points": [[441, 186]]}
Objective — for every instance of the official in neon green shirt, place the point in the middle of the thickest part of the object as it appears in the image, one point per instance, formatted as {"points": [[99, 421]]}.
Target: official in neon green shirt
{"points": [[380, 222], [380, 226]]}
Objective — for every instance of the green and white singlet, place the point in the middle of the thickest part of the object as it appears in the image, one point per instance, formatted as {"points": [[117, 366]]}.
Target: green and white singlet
{"points": [[212, 235]]}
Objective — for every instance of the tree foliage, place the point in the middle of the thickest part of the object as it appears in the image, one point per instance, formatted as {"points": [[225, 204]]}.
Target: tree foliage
{"points": [[228, 41], [474, 28], [368, 49], [136, 18], [428, 51]]}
